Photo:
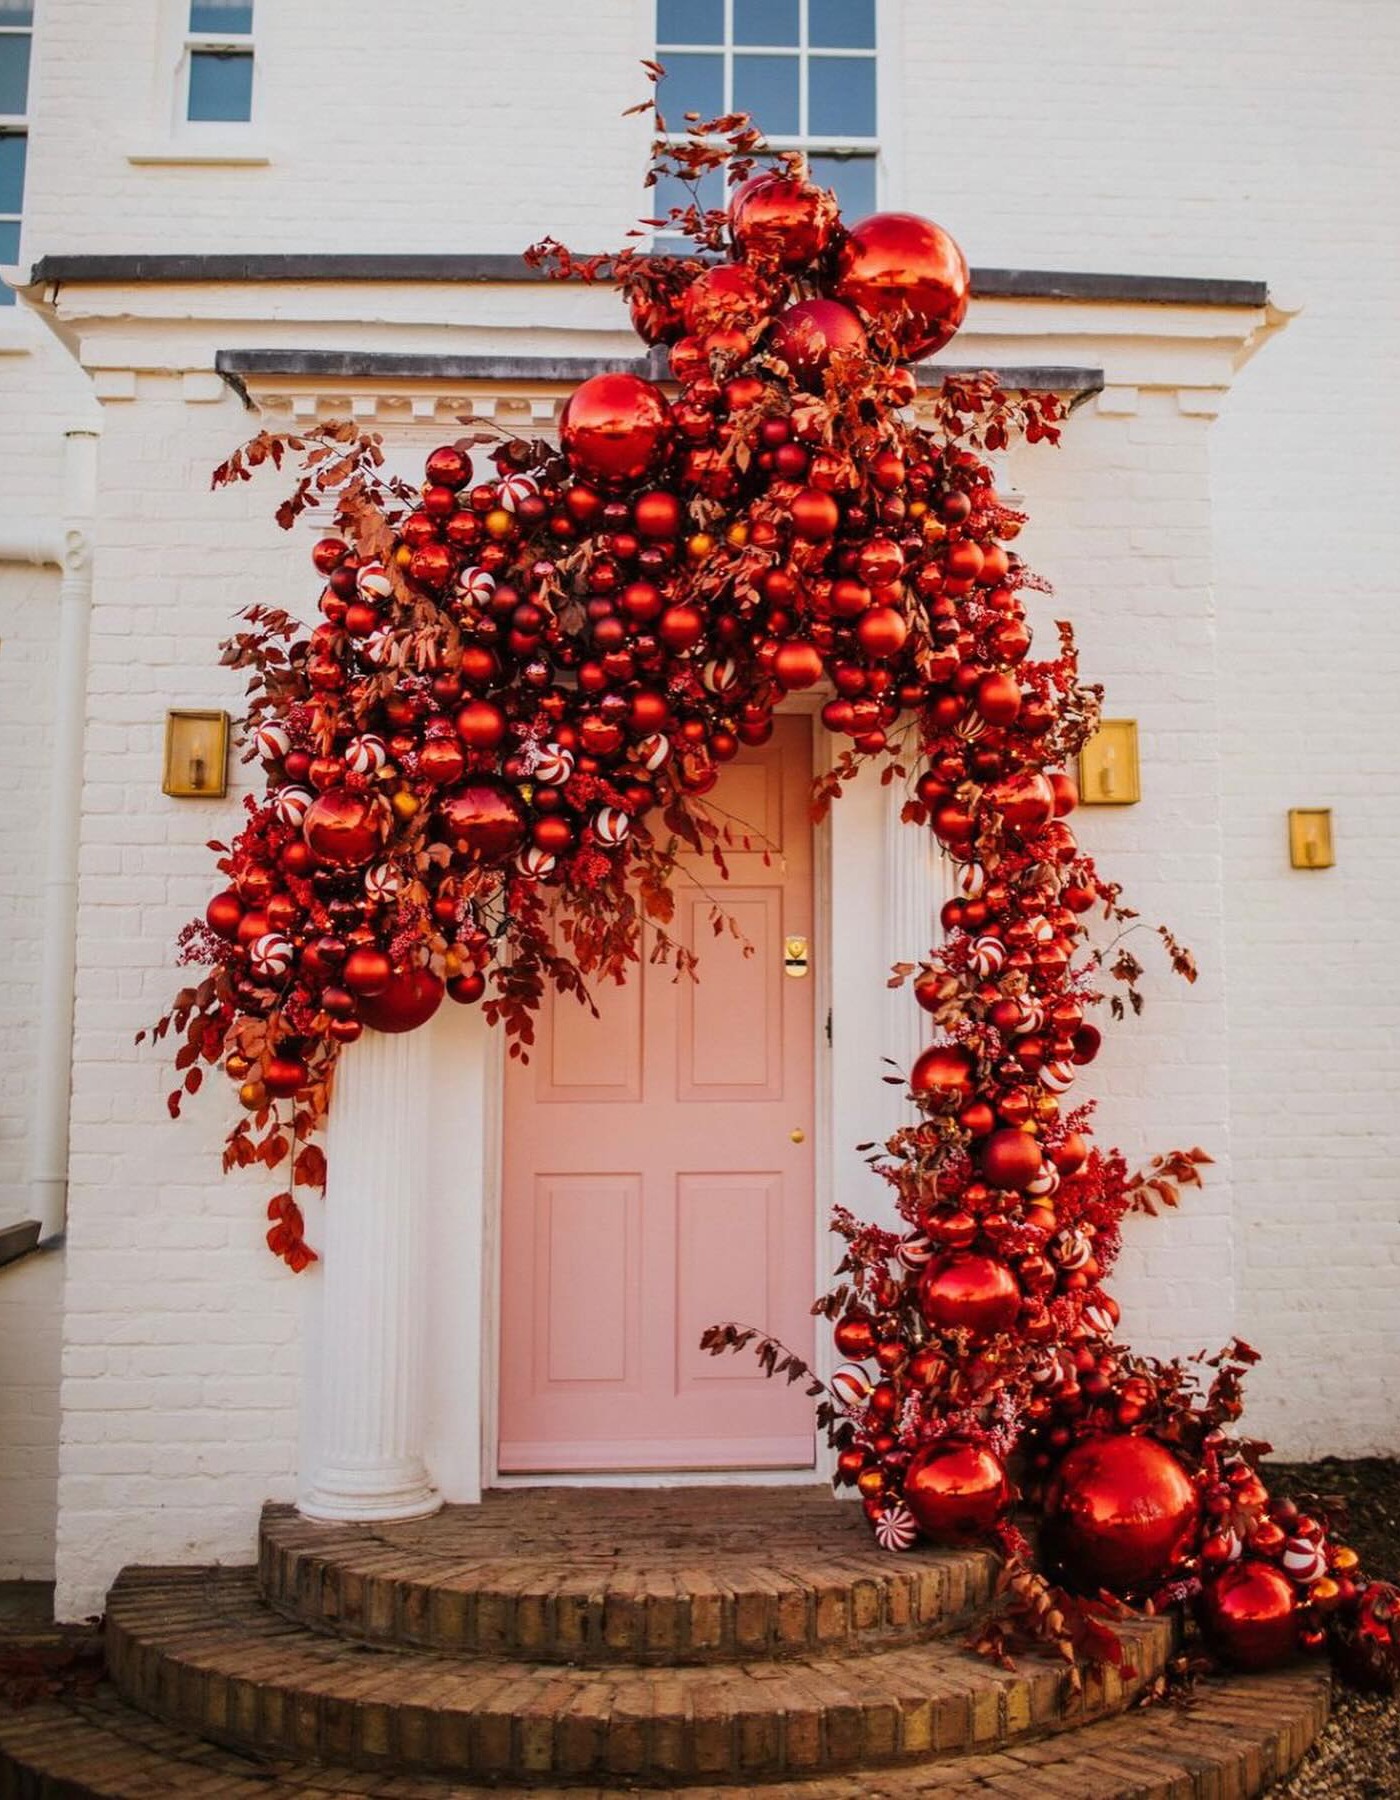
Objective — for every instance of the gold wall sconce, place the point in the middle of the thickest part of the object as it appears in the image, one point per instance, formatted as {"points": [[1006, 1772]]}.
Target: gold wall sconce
{"points": [[196, 755], [1310, 837], [1108, 765]]}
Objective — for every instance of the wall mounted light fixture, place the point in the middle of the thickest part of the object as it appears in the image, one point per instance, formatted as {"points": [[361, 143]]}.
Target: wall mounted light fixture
{"points": [[1310, 837], [196, 755], [1108, 765]]}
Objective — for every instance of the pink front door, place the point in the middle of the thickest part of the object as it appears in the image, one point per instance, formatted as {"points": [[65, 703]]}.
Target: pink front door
{"points": [[658, 1177]]}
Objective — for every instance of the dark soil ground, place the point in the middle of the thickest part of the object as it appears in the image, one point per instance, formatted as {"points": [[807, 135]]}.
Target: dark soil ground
{"points": [[1358, 1755]]}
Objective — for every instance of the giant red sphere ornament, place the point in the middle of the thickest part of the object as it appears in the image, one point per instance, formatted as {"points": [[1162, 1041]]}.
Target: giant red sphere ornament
{"points": [[956, 1491], [615, 428], [726, 298], [778, 221], [1250, 1610], [342, 829], [483, 821], [809, 334], [907, 275], [1120, 1513], [966, 1291], [409, 1000]]}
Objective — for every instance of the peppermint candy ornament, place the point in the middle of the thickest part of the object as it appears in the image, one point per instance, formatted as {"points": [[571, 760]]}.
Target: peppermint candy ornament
{"points": [[895, 1529], [611, 825], [476, 585], [535, 862], [653, 751], [373, 583], [290, 805], [1071, 1249], [1044, 1184], [915, 1252], [270, 955], [988, 956], [851, 1385], [384, 881], [1032, 1017], [721, 675], [378, 647], [972, 879], [1099, 1319], [366, 755], [1304, 1560], [272, 742], [970, 727], [515, 488], [553, 766], [1057, 1076]]}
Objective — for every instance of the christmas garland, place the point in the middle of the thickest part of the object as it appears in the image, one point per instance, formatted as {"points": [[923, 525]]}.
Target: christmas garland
{"points": [[484, 762]]}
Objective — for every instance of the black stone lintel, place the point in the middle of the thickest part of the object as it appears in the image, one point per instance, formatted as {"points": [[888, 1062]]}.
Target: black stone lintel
{"points": [[18, 1240], [988, 284]]}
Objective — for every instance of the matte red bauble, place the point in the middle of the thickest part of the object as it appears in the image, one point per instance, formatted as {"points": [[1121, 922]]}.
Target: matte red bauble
{"points": [[343, 829], [224, 913], [809, 334], [815, 515], [483, 821], [657, 514], [408, 1001], [956, 1491], [481, 725], [797, 664], [908, 274], [1120, 1513], [943, 1074], [776, 220], [969, 1292], [615, 428], [1011, 1159], [882, 632], [1250, 1610]]}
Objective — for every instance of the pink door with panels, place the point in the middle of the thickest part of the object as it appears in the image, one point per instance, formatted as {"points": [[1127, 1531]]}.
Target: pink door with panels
{"points": [[658, 1175]]}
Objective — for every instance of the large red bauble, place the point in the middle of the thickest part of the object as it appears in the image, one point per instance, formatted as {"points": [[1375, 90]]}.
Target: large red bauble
{"points": [[907, 273], [797, 664], [956, 1491], [1120, 1513], [1011, 1159], [1250, 1611], [615, 428], [809, 334], [943, 1073], [776, 220], [408, 1001], [966, 1291], [343, 829], [1025, 801], [483, 821], [727, 297]]}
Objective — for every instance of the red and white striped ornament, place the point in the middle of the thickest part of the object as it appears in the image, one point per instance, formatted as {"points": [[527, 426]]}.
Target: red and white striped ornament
{"points": [[653, 751], [895, 1529], [972, 879], [270, 955], [272, 742], [535, 863], [1046, 1183], [476, 585], [970, 727], [1303, 1559], [291, 804], [378, 648], [720, 675], [1057, 1076], [1071, 1249], [515, 488], [1098, 1318], [988, 956], [384, 881], [851, 1385], [611, 825], [366, 755], [1032, 1017], [915, 1251], [373, 582], [553, 765]]}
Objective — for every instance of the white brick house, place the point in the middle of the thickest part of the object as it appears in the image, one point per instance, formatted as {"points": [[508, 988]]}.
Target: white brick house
{"points": [[1220, 523]]}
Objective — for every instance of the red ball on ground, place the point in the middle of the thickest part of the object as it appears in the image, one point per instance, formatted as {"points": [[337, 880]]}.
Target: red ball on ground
{"points": [[1250, 1610], [1120, 1513], [956, 1491]]}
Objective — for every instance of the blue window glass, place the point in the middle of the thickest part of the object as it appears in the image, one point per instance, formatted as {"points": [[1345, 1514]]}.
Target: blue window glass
{"points": [[766, 87], [692, 84], [13, 146], [14, 69], [9, 253], [690, 21], [227, 18], [221, 85], [765, 22], [841, 24], [850, 178], [671, 191], [841, 96]]}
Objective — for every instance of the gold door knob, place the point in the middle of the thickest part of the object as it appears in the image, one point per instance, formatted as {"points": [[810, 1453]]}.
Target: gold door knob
{"points": [[798, 1135]]}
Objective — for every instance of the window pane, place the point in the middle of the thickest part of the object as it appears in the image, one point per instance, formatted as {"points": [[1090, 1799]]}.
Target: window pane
{"points": [[765, 87], [692, 84], [221, 87], [851, 179], [841, 24], [690, 21], [231, 18], [841, 96], [16, 12], [9, 253], [765, 22], [12, 149], [671, 191], [14, 72]]}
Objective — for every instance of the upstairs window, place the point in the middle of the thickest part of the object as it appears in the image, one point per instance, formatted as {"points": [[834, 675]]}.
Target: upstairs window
{"points": [[804, 70], [16, 37], [219, 59]]}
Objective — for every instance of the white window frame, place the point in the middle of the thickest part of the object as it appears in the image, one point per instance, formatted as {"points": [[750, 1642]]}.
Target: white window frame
{"points": [[17, 125], [230, 43]]}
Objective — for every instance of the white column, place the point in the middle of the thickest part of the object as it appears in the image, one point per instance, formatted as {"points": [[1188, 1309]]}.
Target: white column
{"points": [[918, 880], [369, 1394]]}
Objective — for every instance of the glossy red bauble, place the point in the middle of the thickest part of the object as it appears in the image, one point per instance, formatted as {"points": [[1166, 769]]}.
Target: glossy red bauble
{"points": [[1011, 1159], [1250, 1611], [956, 1491], [1120, 1513], [906, 274], [815, 515], [966, 1291], [797, 664], [343, 830], [780, 222], [282, 1076], [441, 761], [726, 298], [447, 466], [1025, 801], [483, 821], [481, 725], [615, 428], [410, 1000], [942, 1074], [225, 913], [367, 971], [809, 334], [855, 1336], [882, 632]]}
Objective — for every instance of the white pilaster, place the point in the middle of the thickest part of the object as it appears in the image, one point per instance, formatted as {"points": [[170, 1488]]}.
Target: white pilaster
{"points": [[917, 882], [369, 1392]]}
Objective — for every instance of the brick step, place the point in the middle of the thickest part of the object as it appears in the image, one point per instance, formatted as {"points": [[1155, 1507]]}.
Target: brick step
{"points": [[198, 1649], [1231, 1743], [684, 1575]]}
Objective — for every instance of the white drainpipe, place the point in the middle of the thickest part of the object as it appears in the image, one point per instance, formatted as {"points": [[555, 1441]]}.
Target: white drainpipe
{"points": [[68, 544]]}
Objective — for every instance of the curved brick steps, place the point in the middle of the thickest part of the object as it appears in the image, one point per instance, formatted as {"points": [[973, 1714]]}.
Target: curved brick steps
{"points": [[1233, 1741], [679, 1576], [198, 1650]]}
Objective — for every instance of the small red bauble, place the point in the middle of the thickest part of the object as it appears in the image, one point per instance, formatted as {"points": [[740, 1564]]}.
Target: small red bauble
{"points": [[615, 428], [1120, 1513], [283, 1075], [481, 725], [998, 698], [447, 466], [809, 334], [943, 1073], [969, 1292], [1011, 1159], [657, 514], [1025, 801], [776, 220], [855, 1336], [342, 829], [882, 632], [483, 821], [797, 664], [1250, 1610], [956, 1491], [680, 627], [225, 913], [907, 273], [367, 971], [410, 1000], [815, 515]]}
